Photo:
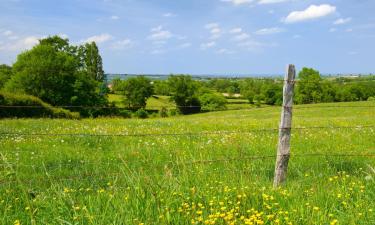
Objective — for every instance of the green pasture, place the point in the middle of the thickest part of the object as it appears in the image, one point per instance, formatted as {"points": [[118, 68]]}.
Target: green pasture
{"points": [[210, 168]]}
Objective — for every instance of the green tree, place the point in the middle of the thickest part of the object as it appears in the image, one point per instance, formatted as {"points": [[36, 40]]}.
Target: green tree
{"points": [[184, 93], [273, 94], [137, 90], [92, 61], [45, 73], [5, 74], [52, 71], [212, 102], [309, 88]]}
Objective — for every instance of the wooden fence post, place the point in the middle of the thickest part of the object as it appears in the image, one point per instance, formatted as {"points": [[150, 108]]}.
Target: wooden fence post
{"points": [[283, 149]]}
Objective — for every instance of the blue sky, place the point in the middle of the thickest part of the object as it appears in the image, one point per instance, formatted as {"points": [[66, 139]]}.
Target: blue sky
{"points": [[201, 36]]}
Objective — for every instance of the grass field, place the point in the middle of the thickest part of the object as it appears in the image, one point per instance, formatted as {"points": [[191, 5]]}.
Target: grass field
{"points": [[155, 103], [211, 178]]}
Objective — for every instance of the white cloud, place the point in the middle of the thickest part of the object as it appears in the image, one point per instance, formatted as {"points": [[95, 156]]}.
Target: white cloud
{"points": [[262, 2], [272, 30], [311, 13], [21, 44], [224, 51], [115, 17], [349, 30], [241, 37], [238, 2], [169, 15], [123, 44], [250, 45], [236, 30], [332, 30], [210, 26], [7, 33], [208, 45], [215, 30], [158, 51], [342, 21], [101, 38], [159, 34]]}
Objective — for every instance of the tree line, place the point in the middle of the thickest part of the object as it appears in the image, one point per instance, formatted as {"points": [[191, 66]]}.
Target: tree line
{"points": [[57, 73]]}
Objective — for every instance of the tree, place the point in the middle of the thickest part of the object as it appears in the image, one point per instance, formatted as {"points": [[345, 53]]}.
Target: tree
{"points": [[309, 88], [45, 73], [5, 74], [273, 94], [137, 90], [92, 61], [183, 90], [52, 71], [212, 102]]}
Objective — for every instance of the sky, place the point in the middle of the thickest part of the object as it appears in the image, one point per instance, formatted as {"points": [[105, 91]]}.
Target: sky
{"points": [[218, 37]]}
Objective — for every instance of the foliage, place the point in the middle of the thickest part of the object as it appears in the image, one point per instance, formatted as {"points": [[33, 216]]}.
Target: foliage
{"points": [[141, 113], [309, 89], [31, 107], [184, 93], [163, 112], [92, 61], [125, 114], [136, 91], [53, 72], [212, 102], [161, 87], [5, 74]]}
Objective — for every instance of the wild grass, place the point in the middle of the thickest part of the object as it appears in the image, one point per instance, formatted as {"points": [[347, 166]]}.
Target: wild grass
{"points": [[210, 175]]}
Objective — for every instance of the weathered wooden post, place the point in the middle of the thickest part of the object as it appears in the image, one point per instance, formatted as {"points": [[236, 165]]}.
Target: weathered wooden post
{"points": [[283, 149]]}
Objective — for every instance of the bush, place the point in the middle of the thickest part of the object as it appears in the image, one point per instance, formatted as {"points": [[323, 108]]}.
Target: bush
{"points": [[371, 99], [163, 112], [125, 114], [141, 113], [173, 112], [212, 102], [34, 107]]}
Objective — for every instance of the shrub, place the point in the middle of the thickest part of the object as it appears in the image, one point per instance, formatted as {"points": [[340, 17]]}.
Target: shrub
{"points": [[173, 112], [371, 99], [125, 114], [163, 112], [34, 107], [141, 113], [212, 102]]}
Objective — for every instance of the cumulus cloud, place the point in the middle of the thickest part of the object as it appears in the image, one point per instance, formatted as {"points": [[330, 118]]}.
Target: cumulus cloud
{"points": [[241, 37], [7, 33], [267, 31], [207, 45], [169, 15], [122, 44], [101, 38], [262, 2], [236, 30], [21, 44], [342, 21], [158, 33], [311, 13], [214, 29], [238, 2], [225, 51]]}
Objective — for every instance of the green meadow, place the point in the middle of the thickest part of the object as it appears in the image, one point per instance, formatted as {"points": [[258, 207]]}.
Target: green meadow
{"points": [[209, 168]]}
